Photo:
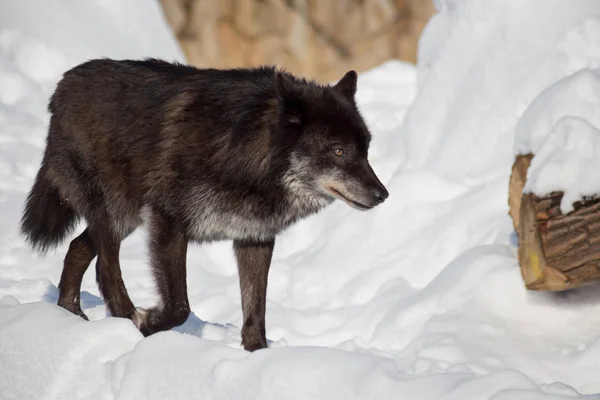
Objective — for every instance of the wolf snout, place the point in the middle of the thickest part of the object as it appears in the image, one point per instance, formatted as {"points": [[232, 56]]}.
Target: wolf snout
{"points": [[379, 194], [373, 191]]}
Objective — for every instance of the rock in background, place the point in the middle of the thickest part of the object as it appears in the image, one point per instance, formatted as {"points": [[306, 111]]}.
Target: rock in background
{"points": [[317, 38]]}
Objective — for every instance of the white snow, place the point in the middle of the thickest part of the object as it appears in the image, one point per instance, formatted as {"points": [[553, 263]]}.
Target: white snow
{"points": [[560, 126], [421, 298]]}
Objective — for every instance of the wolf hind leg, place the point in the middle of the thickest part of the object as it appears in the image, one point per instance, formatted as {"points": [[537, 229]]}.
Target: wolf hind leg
{"points": [[79, 256], [108, 272], [168, 248]]}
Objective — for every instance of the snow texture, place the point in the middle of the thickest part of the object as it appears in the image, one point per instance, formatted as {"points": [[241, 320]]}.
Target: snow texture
{"points": [[560, 126], [420, 298]]}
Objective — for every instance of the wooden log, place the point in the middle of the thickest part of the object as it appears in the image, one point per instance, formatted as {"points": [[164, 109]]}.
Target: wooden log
{"points": [[516, 184], [556, 252]]}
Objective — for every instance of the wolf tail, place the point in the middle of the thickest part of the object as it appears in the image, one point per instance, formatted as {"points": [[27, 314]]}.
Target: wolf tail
{"points": [[46, 220]]}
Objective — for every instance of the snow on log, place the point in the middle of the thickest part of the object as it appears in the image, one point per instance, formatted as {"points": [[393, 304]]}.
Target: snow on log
{"points": [[556, 251]]}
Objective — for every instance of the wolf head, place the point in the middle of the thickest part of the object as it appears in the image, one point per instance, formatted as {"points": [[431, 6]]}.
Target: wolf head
{"points": [[329, 155]]}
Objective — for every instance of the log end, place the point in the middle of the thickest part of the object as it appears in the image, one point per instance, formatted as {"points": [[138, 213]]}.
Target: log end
{"points": [[518, 177], [557, 252]]}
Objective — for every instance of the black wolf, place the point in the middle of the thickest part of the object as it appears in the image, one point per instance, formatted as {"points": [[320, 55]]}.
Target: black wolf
{"points": [[196, 155]]}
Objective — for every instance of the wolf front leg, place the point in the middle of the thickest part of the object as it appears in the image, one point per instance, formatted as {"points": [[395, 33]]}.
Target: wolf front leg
{"points": [[254, 260]]}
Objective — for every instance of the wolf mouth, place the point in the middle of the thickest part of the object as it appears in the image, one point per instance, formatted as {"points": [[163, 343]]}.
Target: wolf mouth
{"points": [[346, 199]]}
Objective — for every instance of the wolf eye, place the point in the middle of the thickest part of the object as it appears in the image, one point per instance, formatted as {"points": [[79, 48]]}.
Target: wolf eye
{"points": [[338, 152]]}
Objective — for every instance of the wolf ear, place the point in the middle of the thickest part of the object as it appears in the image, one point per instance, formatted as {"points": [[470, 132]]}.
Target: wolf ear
{"points": [[347, 85], [290, 99]]}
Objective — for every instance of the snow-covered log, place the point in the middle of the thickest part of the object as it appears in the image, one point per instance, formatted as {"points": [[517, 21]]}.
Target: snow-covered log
{"points": [[556, 251]]}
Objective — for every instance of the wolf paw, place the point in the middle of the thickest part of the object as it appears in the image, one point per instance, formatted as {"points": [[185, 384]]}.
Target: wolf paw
{"points": [[74, 308], [253, 344], [139, 317]]}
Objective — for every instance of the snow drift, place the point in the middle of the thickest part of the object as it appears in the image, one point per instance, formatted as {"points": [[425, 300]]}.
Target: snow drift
{"points": [[561, 129], [419, 299]]}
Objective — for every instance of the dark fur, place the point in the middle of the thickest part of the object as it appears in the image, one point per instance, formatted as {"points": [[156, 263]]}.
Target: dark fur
{"points": [[195, 154]]}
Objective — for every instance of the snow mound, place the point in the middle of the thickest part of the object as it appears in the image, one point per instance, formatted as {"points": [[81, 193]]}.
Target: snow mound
{"points": [[560, 128], [72, 359], [421, 298]]}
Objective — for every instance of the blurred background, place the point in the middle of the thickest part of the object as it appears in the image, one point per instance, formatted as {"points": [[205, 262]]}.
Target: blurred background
{"points": [[321, 39]]}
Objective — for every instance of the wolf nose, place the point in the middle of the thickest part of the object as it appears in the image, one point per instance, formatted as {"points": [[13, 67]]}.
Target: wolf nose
{"points": [[380, 194]]}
